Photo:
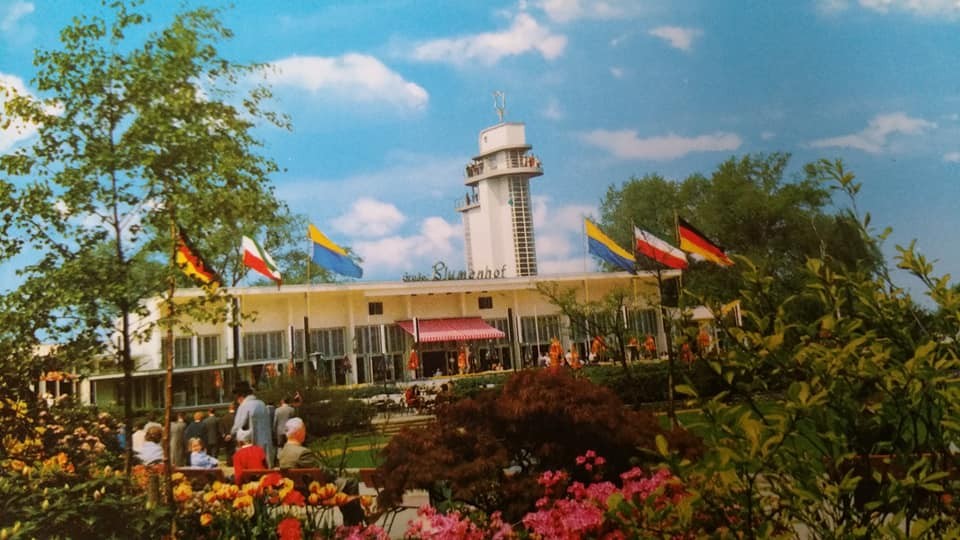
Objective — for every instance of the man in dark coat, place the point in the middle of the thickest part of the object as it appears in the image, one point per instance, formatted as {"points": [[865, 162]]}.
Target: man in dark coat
{"points": [[226, 422], [211, 433], [280, 416], [194, 430]]}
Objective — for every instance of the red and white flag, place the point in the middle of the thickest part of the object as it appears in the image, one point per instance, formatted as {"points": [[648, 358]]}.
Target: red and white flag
{"points": [[256, 258], [658, 250]]}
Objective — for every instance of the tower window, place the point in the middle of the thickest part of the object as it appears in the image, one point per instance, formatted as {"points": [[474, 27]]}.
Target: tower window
{"points": [[375, 308], [485, 302]]}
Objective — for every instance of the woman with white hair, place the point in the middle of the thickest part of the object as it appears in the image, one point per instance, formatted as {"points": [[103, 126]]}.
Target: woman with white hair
{"points": [[248, 456]]}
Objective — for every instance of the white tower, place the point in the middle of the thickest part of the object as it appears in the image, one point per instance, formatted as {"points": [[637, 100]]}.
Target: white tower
{"points": [[497, 214]]}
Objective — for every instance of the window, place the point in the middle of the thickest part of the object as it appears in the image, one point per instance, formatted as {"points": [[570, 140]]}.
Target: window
{"points": [[501, 325], [182, 351], [375, 308], [396, 338], [485, 302], [539, 329], [208, 350], [368, 339], [329, 342], [264, 346]]}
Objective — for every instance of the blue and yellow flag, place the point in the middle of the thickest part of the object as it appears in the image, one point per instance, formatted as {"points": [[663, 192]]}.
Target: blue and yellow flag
{"points": [[603, 247], [331, 256]]}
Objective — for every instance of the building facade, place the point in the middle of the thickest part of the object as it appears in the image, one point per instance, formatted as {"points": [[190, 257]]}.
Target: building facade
{"points": [[363, 332]]}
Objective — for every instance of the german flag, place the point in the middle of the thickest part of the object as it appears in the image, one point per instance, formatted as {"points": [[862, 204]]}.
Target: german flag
{"points": [[693, 241], [192, 264]]}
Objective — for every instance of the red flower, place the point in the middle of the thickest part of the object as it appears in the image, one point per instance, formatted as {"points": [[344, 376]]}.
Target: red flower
{"points": [[294, 498], [289, 529], [271, 480]]}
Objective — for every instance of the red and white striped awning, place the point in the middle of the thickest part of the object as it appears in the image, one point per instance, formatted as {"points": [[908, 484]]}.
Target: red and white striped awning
{"points": [[457, 329]]}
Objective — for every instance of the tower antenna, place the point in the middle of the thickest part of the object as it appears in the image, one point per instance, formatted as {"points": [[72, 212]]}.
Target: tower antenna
{"points": [[500, 103]]}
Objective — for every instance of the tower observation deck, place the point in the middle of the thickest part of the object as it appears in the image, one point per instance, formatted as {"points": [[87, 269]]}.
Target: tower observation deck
{"points": [[497, 213]]}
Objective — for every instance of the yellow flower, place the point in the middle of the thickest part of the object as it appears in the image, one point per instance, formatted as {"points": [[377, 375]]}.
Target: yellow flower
{"points": [[17, 465], [227, 492], [327, 491], [366, 501], [177, 477], [205, 519], [209, 497], [341, 499], [182, 491], [243, 501]]}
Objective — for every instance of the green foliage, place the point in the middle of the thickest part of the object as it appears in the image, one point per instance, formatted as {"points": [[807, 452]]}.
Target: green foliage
{"points": [[59, 478], [58, 505], [858, 442], [750, 208], [490, 449]]}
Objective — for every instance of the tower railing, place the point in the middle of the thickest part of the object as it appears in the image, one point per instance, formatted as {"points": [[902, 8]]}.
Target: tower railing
{"points": [[514, 160]]}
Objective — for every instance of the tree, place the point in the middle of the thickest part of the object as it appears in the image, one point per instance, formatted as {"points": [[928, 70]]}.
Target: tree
{"points": [[859, 443], [135, 139], [746, 206]]}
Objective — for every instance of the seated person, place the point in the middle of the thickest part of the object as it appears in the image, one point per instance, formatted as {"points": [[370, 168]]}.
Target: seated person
{"points": [[199, 457], [150, 452], [294, 455], [248, 456]]}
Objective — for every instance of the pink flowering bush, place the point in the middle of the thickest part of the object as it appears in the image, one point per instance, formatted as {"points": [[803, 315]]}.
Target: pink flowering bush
{"points": [[640, 506], [644, 505]]}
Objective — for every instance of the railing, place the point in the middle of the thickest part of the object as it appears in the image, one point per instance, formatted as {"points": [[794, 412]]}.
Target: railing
{"points": [[515, 160], [468, 200]]}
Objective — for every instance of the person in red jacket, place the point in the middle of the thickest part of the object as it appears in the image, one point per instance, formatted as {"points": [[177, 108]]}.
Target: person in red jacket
{"points": [[249, 456]]}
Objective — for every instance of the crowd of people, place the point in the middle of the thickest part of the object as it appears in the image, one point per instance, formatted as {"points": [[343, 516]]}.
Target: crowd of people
{"points": [[248, 435]]}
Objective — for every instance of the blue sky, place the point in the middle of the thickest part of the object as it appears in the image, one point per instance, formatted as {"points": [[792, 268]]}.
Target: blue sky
{"points": [[387, 97]]}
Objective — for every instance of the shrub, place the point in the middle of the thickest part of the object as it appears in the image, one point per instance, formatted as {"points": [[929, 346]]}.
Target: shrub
{"points": [[488, 451]]}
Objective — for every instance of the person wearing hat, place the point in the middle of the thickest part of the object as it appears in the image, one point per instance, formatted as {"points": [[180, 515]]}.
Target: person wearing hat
{"points": [[248, 456], [252, 415]]}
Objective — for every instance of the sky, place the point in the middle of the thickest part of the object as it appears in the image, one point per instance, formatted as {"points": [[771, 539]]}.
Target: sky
{"points": [[386, 99]]}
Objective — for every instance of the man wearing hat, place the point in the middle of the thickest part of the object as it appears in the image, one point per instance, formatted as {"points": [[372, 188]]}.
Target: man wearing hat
{"points": [[252, 415]]}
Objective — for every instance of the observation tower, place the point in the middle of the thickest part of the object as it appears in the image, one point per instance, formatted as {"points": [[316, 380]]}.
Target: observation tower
{"points": [[497, 213]]}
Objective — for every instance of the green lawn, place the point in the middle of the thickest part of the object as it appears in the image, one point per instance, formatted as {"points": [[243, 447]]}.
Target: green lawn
{"points": [[351, 451]]}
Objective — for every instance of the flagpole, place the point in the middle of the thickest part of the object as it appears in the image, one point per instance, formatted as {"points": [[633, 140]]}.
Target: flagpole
{"points": [[306, 316], [664, 315]]}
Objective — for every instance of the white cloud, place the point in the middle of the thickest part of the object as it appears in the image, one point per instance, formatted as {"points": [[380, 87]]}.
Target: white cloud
{"points": [[369, 218], [16, 131], [678, 37], [617, 72], [767, 135], [830, 7], [553, 111], [524, 35], [435, 241], [625, 144], [952, 157], [14, 13], [352, 77], [925, 8], [559, 235], [564, 11], [619, 40], [873, 138]]}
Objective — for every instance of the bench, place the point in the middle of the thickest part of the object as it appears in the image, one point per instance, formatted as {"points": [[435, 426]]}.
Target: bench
{"points": [[301, 477], [371, 478], [200, 476]]}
